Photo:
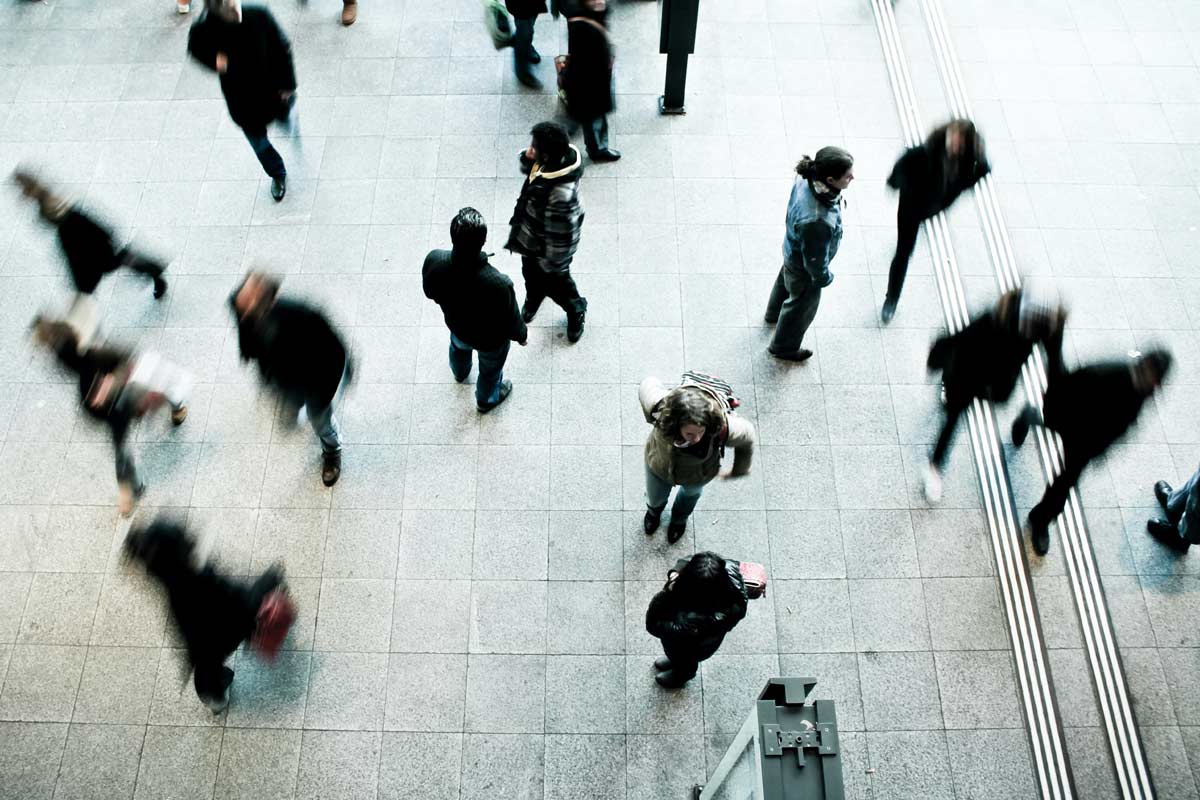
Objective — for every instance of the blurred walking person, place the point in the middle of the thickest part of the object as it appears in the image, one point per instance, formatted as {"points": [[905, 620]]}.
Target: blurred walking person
{"points": [[253, 57], [588, 77], [525, 56], [546, 224], [930, 177], [814, 231], [1181, 528], [1089, 408], [691, 615], [983, 361], [479, 305], [299, 355], [87, 245], [118, 387]]}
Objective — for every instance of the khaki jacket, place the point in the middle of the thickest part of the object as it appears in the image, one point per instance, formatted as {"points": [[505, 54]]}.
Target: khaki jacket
{"points": [[678, 468]]}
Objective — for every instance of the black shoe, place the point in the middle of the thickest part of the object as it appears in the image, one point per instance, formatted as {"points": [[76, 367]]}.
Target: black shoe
{"points": [[667, 680], [607, 154], [331, 468], [798, 356], [651, 520], [1168, 534], [662, 664], [888, 311], [575, 324], [160, 288], [505, 391], [1162, 491], [1020, 426], [675, 531], [534, 56], [279, 187], [1039, 535], [529, 79], [528, 312]]}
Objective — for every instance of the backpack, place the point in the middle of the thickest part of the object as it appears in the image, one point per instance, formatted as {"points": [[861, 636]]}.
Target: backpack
{"points": [[712, 383], [495, 16]]}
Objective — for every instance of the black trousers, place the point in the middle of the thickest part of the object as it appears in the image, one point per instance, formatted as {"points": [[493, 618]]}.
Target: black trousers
{"points": [[558, 286], [908, 225], [953, 410], [1075, 458], [212, 678], [595, 134]]}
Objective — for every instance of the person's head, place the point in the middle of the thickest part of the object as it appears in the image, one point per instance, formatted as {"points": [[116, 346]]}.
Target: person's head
{"points": [[164, 548], [549, 144], [594, 7], [689, 414], [1008, 307], [256, 295], [228, 10], [54, 334], [1150, 370], [832, 168], [959, 137], [50, 206], [468, 232], [703, 584]]}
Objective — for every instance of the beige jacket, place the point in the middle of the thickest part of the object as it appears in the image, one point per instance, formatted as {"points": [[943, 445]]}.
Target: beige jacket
{"points": [[672, 465]]}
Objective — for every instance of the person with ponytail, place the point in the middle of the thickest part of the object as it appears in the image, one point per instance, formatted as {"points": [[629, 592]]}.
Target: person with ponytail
{"points": [[930, 177], [814, 230]]}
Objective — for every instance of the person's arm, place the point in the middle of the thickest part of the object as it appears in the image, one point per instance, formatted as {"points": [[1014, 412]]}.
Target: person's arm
{"points": [[650, 394], [520, 331], [282, 66], [741, 438], [201, 45], [562, 222], [817, 236], [1054, 342], [663, 621], [903, 168]]}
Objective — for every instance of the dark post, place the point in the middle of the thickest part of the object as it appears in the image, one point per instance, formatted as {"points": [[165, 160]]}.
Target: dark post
{"points": [[677, 39]]}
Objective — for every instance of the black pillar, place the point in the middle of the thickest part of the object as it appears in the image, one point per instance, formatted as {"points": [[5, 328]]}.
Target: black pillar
{"points": [[677, 38]]}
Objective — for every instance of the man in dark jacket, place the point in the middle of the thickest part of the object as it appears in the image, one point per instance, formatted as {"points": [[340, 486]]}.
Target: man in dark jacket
{"points": [[525, 14], [983, 361], [87, 245], [546, 222], [587, 81], [1089, 408], [213, 614], [246, 47], [479, 305], [930, 177], [299, 354]]}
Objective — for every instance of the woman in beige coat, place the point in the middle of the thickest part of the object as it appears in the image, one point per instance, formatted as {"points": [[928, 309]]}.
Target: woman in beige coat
{"points": [[691, 431]]}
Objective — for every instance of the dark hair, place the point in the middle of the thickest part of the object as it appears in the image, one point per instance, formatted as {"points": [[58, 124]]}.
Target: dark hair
{"points": [[468, 231], [830, 162], [972, 140], [1159, 360], [551, 142], [689, 405], [703, 584]]}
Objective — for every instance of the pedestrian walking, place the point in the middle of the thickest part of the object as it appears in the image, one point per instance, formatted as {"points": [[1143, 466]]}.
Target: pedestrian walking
{"points": [[479, 305], [697, 606], [213, 613], [930, 177], [1181, 528], [588, 76], [117, 387], [525, 55], [87, 244], [983, 361], [692, 426], [1089, 408], [253, 57], [814, 231], [546, 224], [299, 355]]}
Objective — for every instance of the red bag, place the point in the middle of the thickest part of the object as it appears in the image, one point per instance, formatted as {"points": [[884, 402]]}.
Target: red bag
{"points": [[274, 620], [754, 576]]}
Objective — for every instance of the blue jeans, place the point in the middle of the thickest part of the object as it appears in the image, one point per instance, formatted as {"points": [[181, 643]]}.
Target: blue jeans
{"points": [[658, 491], [522, 45], [1183, 509], [491, 369], [268, 156]]}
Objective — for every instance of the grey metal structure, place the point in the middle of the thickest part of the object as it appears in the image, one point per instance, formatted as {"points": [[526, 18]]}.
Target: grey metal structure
{"points": [[677, 39]]}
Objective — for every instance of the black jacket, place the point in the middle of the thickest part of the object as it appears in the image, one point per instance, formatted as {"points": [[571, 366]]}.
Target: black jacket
{"points": [[260, 63], [925, 188], [588, 78], [477, 300], [695, 633], [525, 9], [1092, 407], [87, 367], [88, 247], [297, 351]]}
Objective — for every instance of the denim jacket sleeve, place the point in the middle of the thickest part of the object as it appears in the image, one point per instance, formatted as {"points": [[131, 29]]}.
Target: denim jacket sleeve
{"points": [[817, 235]]}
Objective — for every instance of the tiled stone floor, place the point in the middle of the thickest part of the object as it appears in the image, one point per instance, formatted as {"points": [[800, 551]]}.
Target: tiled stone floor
{"points": [[473, 590]]}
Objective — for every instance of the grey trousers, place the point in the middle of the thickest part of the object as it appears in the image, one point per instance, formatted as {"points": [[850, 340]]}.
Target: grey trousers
{"points": [[792, 308]]}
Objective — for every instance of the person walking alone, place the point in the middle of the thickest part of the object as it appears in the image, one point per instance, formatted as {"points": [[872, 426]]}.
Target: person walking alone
{"points": [[253, 57], [546, 224], [697, 606], [814, 231], [930, 177], [479, 306], [525, 56], [587, 82]]}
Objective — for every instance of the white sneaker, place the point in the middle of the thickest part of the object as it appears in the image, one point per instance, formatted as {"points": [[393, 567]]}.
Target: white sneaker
{"points": [[933, 484], [183, 8]]}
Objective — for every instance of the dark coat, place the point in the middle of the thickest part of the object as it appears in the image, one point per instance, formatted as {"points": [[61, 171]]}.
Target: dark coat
{"points": [[588, 79], [260, 64], [88, 247], [477, 300], [297, 351], [694, 634], [525, 9], [87, 367], [548, 217], [1092, 407], [925, 188]]}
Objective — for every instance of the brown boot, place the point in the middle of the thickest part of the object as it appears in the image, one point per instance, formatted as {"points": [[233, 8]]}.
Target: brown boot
{"points": [[349, 11]]}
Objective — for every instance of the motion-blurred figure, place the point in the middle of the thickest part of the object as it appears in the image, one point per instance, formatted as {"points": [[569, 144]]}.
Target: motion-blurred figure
{"points": [[1089, 408], [930, 177], [546, 224], [984, 361], [247, 48], [118, 387], [299, 354], [814, 231], [87, 245], [1181, 529], [212, 613], [588, 77], [525, 14]]}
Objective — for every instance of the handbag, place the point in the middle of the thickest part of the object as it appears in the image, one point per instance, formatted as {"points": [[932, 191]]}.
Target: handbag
{"points": [[754, 576], [272, 623]]}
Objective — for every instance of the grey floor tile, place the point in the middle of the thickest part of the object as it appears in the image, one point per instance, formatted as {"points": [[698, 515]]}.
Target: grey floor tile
{"points": [[269, 694], [24, 747], [355, 615], [508, 617], [652, 709], [505, 694], [41, 683], [346, 691], [978, 689], [837, 679], [510, 765], [431, 616], [585, 545], [511, 545], [585, 694], [1091, 762], [178, 762], [585, 618], [889, 614], [436, 544], [362, 544], [257, 763], [585, 477], [420, 765], [1179, 666], [586, 766], [175, 701], [899, 691], [806, 544], [731, 684], [56, 605], [293, 537], [1148, 688], [879, 544], [426, 692], [990, 763], [424, 462], [813, 616], [338, 764], [1168, 761], [965, 614], [117, 685], [910, 764], [659, 766], [99, 759]]}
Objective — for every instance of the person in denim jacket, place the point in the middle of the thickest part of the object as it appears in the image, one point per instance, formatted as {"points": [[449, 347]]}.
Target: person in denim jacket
{"points": [[814, 230]]}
